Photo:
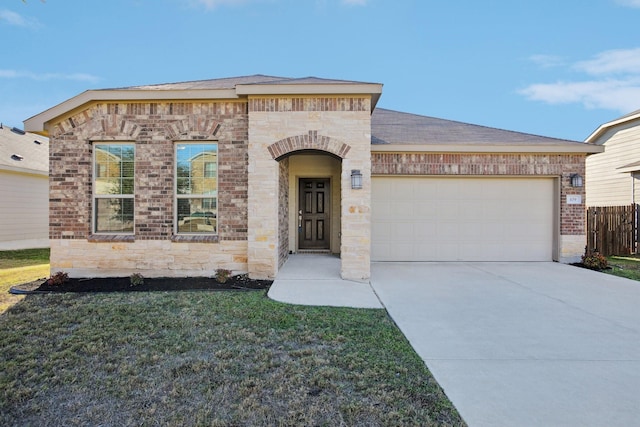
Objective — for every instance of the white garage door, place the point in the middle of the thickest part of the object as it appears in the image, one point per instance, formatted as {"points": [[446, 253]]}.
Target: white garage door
{"points": [[462, 219]]}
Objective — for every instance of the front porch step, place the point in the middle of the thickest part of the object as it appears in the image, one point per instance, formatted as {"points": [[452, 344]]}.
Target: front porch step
{"points": [[313, 251]]}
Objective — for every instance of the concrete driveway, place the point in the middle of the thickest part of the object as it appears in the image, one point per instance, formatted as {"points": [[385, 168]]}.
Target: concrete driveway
{"points": [[522, 344]]}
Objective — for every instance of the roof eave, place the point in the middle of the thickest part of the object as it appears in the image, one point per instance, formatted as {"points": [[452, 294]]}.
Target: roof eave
{"points": [[488, 148], [38, 123], [591, 139], [27, 171]]}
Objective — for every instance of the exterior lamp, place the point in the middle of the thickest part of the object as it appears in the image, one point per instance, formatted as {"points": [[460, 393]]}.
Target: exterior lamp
{"points": [[356, 179], [576, 180]]}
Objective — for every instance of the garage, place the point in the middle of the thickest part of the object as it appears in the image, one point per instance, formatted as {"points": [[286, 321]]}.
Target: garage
{"points": [[463, 219]]}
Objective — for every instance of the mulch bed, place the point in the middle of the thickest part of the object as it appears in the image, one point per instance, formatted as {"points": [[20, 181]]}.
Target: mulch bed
{"points": [[123, 284]]}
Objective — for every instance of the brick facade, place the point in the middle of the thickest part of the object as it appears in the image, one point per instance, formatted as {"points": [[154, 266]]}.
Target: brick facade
{"points": [[283, 212], [572, 222], [256, 182], [154, 128]]}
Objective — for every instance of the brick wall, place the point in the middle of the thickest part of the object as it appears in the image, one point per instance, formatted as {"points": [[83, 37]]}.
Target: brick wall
{"points": [[154, 128], [572, 217], [283, 212]]}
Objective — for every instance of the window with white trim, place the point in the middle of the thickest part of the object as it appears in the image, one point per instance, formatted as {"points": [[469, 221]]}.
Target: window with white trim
{"points": [[196, 188], [113, 187]]}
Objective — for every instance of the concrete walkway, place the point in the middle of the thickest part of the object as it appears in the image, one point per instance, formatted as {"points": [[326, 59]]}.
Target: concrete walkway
{"points": [[522, 344], [314, 279]]}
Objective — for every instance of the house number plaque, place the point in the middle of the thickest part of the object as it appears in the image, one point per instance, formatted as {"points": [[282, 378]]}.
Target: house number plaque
{"points": [[574, 199]]}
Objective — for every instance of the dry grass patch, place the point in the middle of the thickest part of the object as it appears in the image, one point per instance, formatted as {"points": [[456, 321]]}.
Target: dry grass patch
{"points": [[204, 358], [15, 276], [18, 267]]}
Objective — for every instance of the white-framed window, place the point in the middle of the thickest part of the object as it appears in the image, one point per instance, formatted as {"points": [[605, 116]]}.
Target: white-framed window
{"points": [[196, 194], [113, 187]]}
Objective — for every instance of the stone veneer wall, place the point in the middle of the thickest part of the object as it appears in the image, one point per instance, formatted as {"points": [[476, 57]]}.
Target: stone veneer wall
{"points": [[283, 125], [572, 217], [154, 127]]}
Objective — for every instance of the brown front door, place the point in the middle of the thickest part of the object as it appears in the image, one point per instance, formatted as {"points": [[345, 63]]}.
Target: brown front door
{"points": [[313, 214]]}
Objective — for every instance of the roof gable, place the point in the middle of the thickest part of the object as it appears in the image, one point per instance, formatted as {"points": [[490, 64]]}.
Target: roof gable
{"points": [[225, 88], [626, 119]]}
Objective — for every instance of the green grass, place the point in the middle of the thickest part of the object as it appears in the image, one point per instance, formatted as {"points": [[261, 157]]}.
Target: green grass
{"points": [[23, 258], [209, 358], [624, 266]]}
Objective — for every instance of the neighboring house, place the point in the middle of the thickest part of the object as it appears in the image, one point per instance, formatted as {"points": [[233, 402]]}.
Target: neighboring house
{"points": [[238, 173], [24, 189], [613, 177]]}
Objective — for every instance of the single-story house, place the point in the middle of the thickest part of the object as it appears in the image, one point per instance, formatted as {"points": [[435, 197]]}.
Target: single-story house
{"points": [[24, 189], [181, 179], [613, 177]]}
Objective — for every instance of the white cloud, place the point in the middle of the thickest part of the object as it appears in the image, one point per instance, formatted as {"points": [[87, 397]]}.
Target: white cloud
{"points": [[629, 3], [547, 61], [621, 61], [613, 83], [212, 4], [12, 18], [619, 95], [15, 74]]}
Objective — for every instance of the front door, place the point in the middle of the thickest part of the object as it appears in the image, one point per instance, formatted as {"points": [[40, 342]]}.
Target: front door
{"points": [[313, 214]]}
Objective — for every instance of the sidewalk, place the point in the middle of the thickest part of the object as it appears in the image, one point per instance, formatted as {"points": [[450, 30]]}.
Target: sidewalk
{"points": [[314, 279]]}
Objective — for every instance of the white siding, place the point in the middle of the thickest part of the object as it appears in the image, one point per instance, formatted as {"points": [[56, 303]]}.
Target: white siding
{"points": [[24, 211], [606, 185]]}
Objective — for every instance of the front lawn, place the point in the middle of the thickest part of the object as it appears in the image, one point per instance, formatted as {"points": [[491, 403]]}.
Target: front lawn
{"points": [[24, 257], [18, 267], [624, 266], [208, 358]]}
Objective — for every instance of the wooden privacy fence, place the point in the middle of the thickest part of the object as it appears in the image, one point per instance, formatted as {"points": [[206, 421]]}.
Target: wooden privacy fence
{"points": [[612, 230]]}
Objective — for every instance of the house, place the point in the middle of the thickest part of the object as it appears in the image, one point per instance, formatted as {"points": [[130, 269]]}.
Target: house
{"points": [[24, 189], [238, 173], [613, 177]]}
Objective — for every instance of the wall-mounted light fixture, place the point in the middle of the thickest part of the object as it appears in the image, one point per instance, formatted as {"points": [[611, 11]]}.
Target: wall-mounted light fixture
{"points": [[576, 180], [356, 179]]}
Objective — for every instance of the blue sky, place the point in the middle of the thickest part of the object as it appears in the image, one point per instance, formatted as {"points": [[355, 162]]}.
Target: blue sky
{"points": [[557, 68]]}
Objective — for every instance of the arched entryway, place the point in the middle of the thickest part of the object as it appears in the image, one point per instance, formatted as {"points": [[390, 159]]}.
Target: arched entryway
{"points": [[312, 206], [277, 170]]}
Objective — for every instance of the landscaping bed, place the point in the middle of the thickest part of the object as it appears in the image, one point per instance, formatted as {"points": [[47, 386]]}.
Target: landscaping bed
{"points": [[124, 284]]}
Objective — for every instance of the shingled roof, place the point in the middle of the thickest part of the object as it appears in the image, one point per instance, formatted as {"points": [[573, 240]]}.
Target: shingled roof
{"points": [[224, 83], [232, 82], [394, 127], [23, 151]]}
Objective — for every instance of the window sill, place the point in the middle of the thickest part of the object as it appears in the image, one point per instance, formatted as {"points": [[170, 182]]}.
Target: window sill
{"points": [[111, 238], [181, 238]]}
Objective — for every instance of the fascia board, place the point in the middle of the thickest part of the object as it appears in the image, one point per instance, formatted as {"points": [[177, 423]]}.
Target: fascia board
{"points": [[25, 171], [308, 89], [470, 148]]}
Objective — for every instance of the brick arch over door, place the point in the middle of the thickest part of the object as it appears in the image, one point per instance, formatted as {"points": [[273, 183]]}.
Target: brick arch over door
{"points": [[310, 141]]}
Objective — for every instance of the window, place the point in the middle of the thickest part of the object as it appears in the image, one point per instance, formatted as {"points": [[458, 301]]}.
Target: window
{"points": [[196, 188], [113, 188], [210, 169]]}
